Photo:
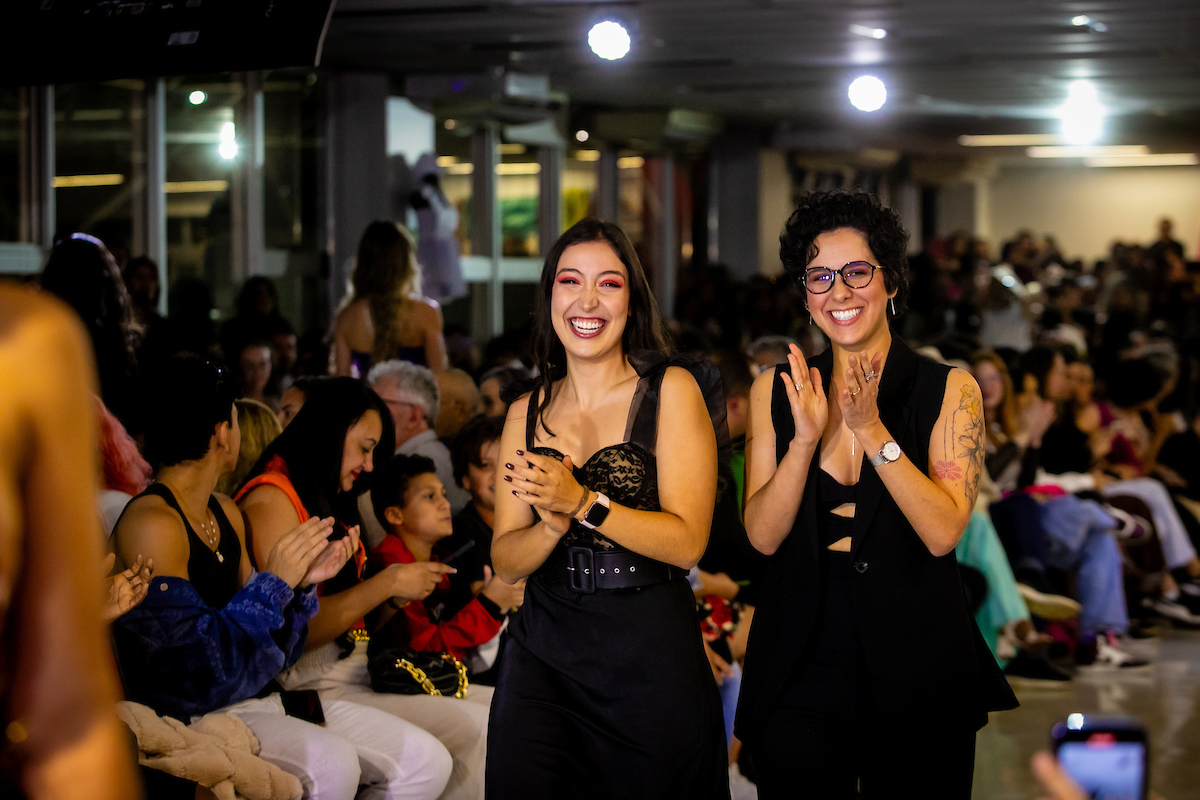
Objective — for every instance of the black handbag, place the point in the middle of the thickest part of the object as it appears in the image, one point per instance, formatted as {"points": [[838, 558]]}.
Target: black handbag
{"points": [[400, 670]]}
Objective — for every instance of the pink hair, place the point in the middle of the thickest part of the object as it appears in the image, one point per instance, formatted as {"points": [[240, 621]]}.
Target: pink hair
{"points": [[122, 466]]}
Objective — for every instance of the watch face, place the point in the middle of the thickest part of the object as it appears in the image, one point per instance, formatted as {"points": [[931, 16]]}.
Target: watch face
{"points": [[891, 451]]}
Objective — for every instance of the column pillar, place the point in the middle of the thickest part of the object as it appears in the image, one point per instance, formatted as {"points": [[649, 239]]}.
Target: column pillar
{"points": [[36, 171]]}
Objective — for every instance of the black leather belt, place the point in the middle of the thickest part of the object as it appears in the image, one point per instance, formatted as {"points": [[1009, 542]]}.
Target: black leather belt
{"points": [[584, 570]]}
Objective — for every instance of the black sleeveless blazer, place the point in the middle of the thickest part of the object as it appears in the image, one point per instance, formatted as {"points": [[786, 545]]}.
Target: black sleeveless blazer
{"points": [[926, 659]]}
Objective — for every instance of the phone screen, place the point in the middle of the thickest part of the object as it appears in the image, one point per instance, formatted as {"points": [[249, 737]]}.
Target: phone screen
{"points": [[1104, 767]]}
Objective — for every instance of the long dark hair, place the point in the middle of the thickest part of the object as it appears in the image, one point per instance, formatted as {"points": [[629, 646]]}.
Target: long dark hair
{"points": [[312, 446], [83, 273], [643, 330], [386, 274]]}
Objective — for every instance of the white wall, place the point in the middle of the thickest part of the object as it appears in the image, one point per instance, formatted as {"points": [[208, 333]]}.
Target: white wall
{"points": [[1087, 208]]}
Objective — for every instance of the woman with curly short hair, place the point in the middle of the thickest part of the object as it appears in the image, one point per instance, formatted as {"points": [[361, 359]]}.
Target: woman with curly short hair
{"points": [[864, 670]]}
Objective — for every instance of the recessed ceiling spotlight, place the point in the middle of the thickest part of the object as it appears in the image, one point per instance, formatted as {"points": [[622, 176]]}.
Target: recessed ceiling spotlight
{"points": [[868, 32], [1080, 20], [867, 93], [197, 97], [228, 148], [450, 124], [1082, 115], [581, 136], [609, 40]]}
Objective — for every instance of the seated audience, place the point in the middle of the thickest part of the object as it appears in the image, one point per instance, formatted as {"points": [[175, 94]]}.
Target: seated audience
{"points": [[317, 464], [413, 400], [412, 506], [460, 401], [492, 385], [213, 632], [252, 362], [259, 426], [294, 396], [123, 471]]}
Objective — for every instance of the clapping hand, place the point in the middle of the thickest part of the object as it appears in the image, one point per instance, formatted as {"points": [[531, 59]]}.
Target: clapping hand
{"points": [[806, 396], [549, 486], [126, 589], [859, 401], [332, 558]]}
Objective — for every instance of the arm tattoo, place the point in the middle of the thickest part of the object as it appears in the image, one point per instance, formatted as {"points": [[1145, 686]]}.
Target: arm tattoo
{"points": [[965, 440]]}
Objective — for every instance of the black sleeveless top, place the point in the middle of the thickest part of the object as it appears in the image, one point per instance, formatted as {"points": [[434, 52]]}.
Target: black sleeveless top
{"points": [[923, 654], [214, 574], [626, 472]]}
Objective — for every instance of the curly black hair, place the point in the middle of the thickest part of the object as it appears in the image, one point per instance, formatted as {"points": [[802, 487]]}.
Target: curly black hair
{"points": [[821, 212]]}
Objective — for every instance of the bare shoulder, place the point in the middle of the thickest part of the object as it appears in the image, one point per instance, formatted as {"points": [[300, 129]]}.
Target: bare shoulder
{"points": [[519, 408], [679, 386], [962, 392], [764, 385], [151, 528], [36, 329], [267, 499]]}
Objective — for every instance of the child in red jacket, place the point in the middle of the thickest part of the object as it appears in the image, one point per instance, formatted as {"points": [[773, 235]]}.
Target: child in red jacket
{"points": [[411, 505]]}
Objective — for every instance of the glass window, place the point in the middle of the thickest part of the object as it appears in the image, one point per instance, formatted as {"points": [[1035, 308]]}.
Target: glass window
{"points": [[291, 149], [453, 143], [202, 156], [579, 185], [10, 136], [630, 214], [98, 179], [518, 187]]}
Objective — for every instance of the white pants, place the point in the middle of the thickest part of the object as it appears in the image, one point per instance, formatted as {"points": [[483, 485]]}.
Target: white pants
{"points": [[460, 725], [390, 758], [1176, 545]]}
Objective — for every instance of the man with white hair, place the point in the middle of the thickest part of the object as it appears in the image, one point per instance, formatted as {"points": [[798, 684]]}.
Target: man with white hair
{"points": [[411, 394]]}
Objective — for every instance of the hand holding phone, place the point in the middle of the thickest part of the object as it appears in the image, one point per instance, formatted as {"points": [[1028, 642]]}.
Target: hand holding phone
{"points": [[1106, 756]]}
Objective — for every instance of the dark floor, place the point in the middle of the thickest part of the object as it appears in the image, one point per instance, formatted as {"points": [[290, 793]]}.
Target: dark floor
{"points": [[1163, 696]]}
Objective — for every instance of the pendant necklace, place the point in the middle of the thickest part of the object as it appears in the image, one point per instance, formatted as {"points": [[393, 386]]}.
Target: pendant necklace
{"points": [[213, 534]]}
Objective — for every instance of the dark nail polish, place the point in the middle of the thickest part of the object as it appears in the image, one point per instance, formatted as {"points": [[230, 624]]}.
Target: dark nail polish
{"points": [[515, 493], [508, 478], [520, 452], [508, 466]]}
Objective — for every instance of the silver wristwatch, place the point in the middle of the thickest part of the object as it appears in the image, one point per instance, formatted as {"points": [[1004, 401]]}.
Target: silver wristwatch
{"points": [[887, 454]]}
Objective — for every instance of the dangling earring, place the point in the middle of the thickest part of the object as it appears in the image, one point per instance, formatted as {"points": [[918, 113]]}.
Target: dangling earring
{"points": [[892, 302]]}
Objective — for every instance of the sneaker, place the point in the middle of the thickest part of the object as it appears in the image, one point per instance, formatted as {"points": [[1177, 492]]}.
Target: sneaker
{"points": [[1048, 606], [1031, 668], [1110, 655], [1173, 610], [1131, 528]]}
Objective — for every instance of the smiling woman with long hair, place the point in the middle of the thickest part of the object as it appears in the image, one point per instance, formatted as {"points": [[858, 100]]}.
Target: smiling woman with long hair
{"points": [[604, 690]]}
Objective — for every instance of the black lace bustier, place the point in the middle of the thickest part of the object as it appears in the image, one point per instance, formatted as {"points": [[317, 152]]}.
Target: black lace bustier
{"points": [[626, 472]]}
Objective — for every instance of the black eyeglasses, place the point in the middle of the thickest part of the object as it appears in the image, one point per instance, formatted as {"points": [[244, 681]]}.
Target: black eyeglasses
{"points": [[856, 275]]}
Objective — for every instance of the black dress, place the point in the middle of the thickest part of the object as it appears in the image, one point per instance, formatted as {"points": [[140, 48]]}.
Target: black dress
{"points": [[607, 695]]}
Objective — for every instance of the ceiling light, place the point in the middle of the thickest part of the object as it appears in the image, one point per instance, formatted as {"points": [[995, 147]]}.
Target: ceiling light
{"points": [[1088, 152], [870, 33], [1082, 115], [194, 187], [609, 40], [1149, 160], [519, 168], [446, 161], [581, 136], [78, 181], [450, 124], [1080, 20], [587, 155], [228, 147], [197, 97], [1010, 139], [630, 162], [867, 93]]}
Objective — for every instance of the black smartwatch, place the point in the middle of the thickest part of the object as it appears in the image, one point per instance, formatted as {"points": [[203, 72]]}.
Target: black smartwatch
{"points": [[597, 512]]}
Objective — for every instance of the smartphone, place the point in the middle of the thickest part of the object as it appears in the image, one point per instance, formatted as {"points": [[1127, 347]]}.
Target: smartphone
{"points": [[1107, 756]]}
